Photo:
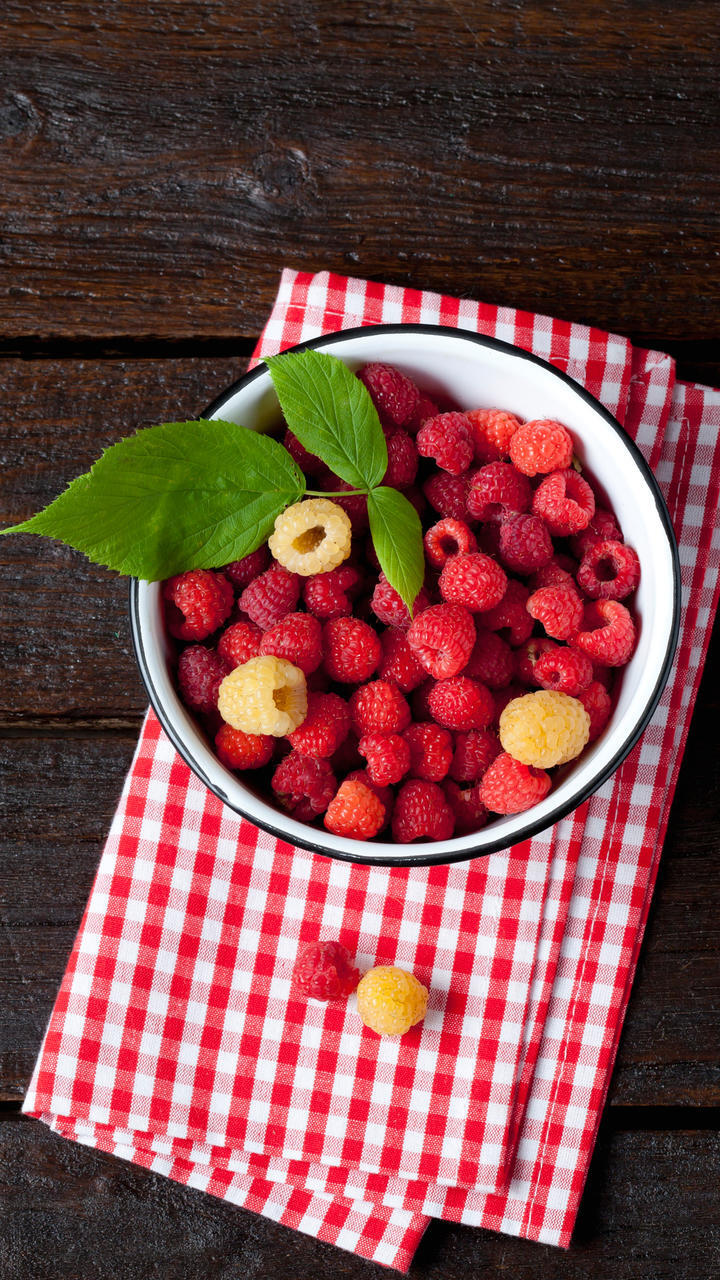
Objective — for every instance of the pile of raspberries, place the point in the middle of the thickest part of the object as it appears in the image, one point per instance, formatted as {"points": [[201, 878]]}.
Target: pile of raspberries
{"points": [[527, 587]]}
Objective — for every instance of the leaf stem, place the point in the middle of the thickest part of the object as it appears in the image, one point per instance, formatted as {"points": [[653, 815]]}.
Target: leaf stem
{"points": [[341, 493]]}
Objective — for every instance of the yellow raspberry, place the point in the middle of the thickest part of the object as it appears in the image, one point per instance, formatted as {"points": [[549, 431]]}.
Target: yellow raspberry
{"points": [[311, 537], [391, 1001], [264, 695], [544, 728]]}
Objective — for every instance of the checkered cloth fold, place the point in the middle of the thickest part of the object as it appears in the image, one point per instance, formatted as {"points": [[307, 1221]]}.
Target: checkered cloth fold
{"points": [[176, 1041]]}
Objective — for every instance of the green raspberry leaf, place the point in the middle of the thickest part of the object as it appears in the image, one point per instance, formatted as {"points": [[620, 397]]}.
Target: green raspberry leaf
{"points": [[183, 495], [397, 538], [332, 415]]}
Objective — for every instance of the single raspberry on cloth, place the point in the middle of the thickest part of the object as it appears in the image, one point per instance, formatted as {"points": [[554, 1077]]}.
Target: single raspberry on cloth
{"points": [[540, 446], [240, 750], [510, 614], [609, 571], [606, 634], [448, 440], [442, 637], [399, 664], [352, 650], [325, 726], [498, 491], [330, 595], [461, 703], [474, 753], [325, 971], [448, 494], [297, 637], [431, 751], [525, 543], [559, 609], [379, 707], [200, 672], [448, 538], [402, 460], [467, 806], [473, 580], [197, 603], [493, 429], [387, 755], [304, 785], [394, 395], [512, 787], [240, 642], [355, 811], [565, 501], [391, 1001], [421, 812], [240, 572], [270, 597]]}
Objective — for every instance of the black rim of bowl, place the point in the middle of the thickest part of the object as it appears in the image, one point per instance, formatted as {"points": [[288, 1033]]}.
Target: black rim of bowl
{"points": [[532, 828]]}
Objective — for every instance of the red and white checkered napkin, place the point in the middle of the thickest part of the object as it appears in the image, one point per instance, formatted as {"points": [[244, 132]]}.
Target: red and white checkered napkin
{"points": [[176, 1041]]}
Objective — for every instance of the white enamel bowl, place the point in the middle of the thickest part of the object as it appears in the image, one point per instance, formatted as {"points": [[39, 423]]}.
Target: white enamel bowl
{"points": [[475, 372]]}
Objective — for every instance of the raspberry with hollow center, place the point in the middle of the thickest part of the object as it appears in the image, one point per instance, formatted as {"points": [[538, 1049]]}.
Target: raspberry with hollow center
{"points": [[355, 811], [379, 707], [421, 813], [399, 664], [448, 440], [525, 543], [238, 750], [466, 803], [391, 1001], [311, 537], [431, 751], [474, 753], [448, 494], [512, 787], [325, 971], [352, 650], [563, 670], [270, 597], [493, 429], [498, 491], [442, 637], [298, 638], [402, 460], [596, 701], [565, 501], [559, 609], [240, 572], [448, 538], [200, 672], [461, 703], [197, 603], [510, 614], [544, 728], [394, 395], [540, 446], [264, 695], [304, 785], [389, 607], [473, 580], [607, 633], [325, 726], [240, 642], [609, 571], [387, 755], [330, 595]]}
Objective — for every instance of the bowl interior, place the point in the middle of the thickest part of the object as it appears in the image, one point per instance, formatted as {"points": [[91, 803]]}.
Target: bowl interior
{"points": [[475, 372]]}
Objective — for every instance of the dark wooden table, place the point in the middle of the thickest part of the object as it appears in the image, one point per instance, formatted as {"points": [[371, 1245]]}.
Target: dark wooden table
{"points": [[161, 163]]}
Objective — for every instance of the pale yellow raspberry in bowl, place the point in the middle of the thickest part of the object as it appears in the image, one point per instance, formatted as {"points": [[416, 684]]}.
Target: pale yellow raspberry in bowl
{"points": [[391, 1001], [264, 695], [544, 728], [311, 537]]}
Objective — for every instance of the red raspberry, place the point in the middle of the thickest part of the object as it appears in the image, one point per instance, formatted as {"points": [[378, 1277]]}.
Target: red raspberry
{"points": [[470, 812], [606, 633], [474, 753], [431, 751], [240, 642], [498, 491], [609, 571], [304, 785], [448, 439], [419, 701], [443, 638], [390, 608], [355, 811], [330, 595], [200, 672], [402, 460], [238, 750], [491, 661], [387, 755], [493, 429], [417, 500], [426, 408], [541, 446], [240, 572], [602, 528], [325, 726], [385, 795], [527, 656], [271, 596], [421, 813], [399, 664], [354, 505], [298, 639], [559, 609], [352, 650], [461, 703], [563, 670], [197, 603], [448, 538], [597, 703], [474, 580], [565, 501], [510, 614], [325, 971], [394, 395], [553, 574], [503, 696], [525, 543], [379, 707], [603, 675], [347, 756], [448, 494], [511, 787], [308, 462]]}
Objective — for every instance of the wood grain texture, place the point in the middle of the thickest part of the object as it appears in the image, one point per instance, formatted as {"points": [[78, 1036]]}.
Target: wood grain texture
{"points": [[163, 163]]}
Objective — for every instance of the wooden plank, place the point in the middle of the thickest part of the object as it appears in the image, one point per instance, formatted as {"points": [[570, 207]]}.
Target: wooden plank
{"points": [[163, 169], [651, 1212]]}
